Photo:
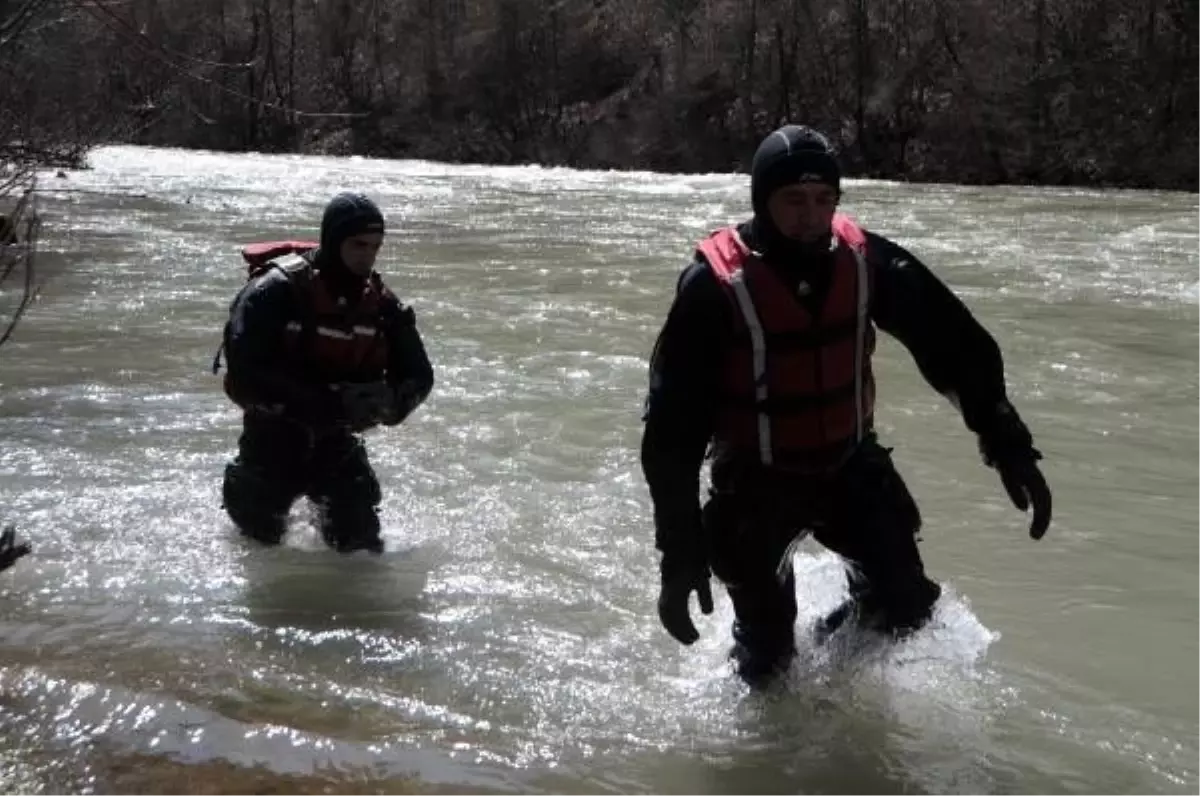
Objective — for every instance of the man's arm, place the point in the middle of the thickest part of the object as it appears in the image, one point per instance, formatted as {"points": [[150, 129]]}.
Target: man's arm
{"points": [[259, 370], [954, 352], [409, 371], [681, 404], [959, 359]]}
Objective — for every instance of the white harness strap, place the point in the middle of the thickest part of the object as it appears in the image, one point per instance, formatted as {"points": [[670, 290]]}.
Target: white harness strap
{"points": [[758, 342], [290, 261], [860, 343], [336, 334]]}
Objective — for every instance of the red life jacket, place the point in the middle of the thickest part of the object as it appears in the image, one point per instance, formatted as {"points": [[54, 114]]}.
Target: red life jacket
{"points": [[798, 388], [334, 340]]}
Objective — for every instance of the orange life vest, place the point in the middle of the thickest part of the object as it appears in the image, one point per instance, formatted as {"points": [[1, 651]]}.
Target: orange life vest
{"points": [[798, 387]]}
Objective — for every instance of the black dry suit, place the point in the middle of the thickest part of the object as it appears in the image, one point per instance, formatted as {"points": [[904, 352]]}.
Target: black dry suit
{"points": [[861, 509], [297, 437]]}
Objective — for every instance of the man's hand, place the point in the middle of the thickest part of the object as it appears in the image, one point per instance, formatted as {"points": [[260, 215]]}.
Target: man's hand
{"points": [[679, 580], [10, 551], [406, 396], [365, 404], [1007, 446], [1026, 486]]}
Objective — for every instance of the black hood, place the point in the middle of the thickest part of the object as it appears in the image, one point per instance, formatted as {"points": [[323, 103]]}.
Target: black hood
{"points": [[346, 215], [792, 154]]}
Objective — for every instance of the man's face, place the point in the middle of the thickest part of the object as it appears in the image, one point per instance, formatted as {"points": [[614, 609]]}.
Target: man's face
{"points": [[804, 211], [359, 252]]}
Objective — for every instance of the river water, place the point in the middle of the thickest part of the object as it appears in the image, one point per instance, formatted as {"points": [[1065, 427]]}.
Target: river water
{"points": [[507, 641]]}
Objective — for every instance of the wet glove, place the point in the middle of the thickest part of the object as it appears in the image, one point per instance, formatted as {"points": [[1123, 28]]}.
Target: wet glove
{"points": [[10, 551], [407, 397], [1008, 448], [682, 573], [367, 404], [1026, 486]]}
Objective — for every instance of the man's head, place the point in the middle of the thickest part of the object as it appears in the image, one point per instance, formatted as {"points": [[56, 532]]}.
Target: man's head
{"points": [[795, 185], [351, 232]]}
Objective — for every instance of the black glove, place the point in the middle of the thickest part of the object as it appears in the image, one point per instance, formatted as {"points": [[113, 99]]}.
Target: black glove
{"points": [[317, 405], [10, 551], [683, 573], [406, 397], [366, 404], [1008, 448], [1027, 486]]}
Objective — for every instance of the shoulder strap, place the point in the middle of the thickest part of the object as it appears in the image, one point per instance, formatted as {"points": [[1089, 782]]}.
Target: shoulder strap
{"points": [[724, 251], [850, 232], [299, 273]]}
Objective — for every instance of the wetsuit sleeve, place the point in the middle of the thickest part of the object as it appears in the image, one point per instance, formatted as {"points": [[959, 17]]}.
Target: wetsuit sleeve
{"points": [[681, 403], [408, 368], [953, 351], [259, 369]]}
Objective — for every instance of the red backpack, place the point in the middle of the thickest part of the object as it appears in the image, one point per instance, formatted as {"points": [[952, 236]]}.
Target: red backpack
{"points": [[259, 257]]}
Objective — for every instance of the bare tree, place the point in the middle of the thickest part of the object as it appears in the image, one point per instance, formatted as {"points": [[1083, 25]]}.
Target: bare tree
{"points": [[24, 149], [969, 91], [28, 141], [19, 282]]}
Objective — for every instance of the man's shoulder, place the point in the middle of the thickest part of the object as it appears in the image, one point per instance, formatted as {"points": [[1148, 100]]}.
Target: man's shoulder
{"points": [[277, 288], [389, 300], [392, 308], [886, 254], [699, 281]]}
